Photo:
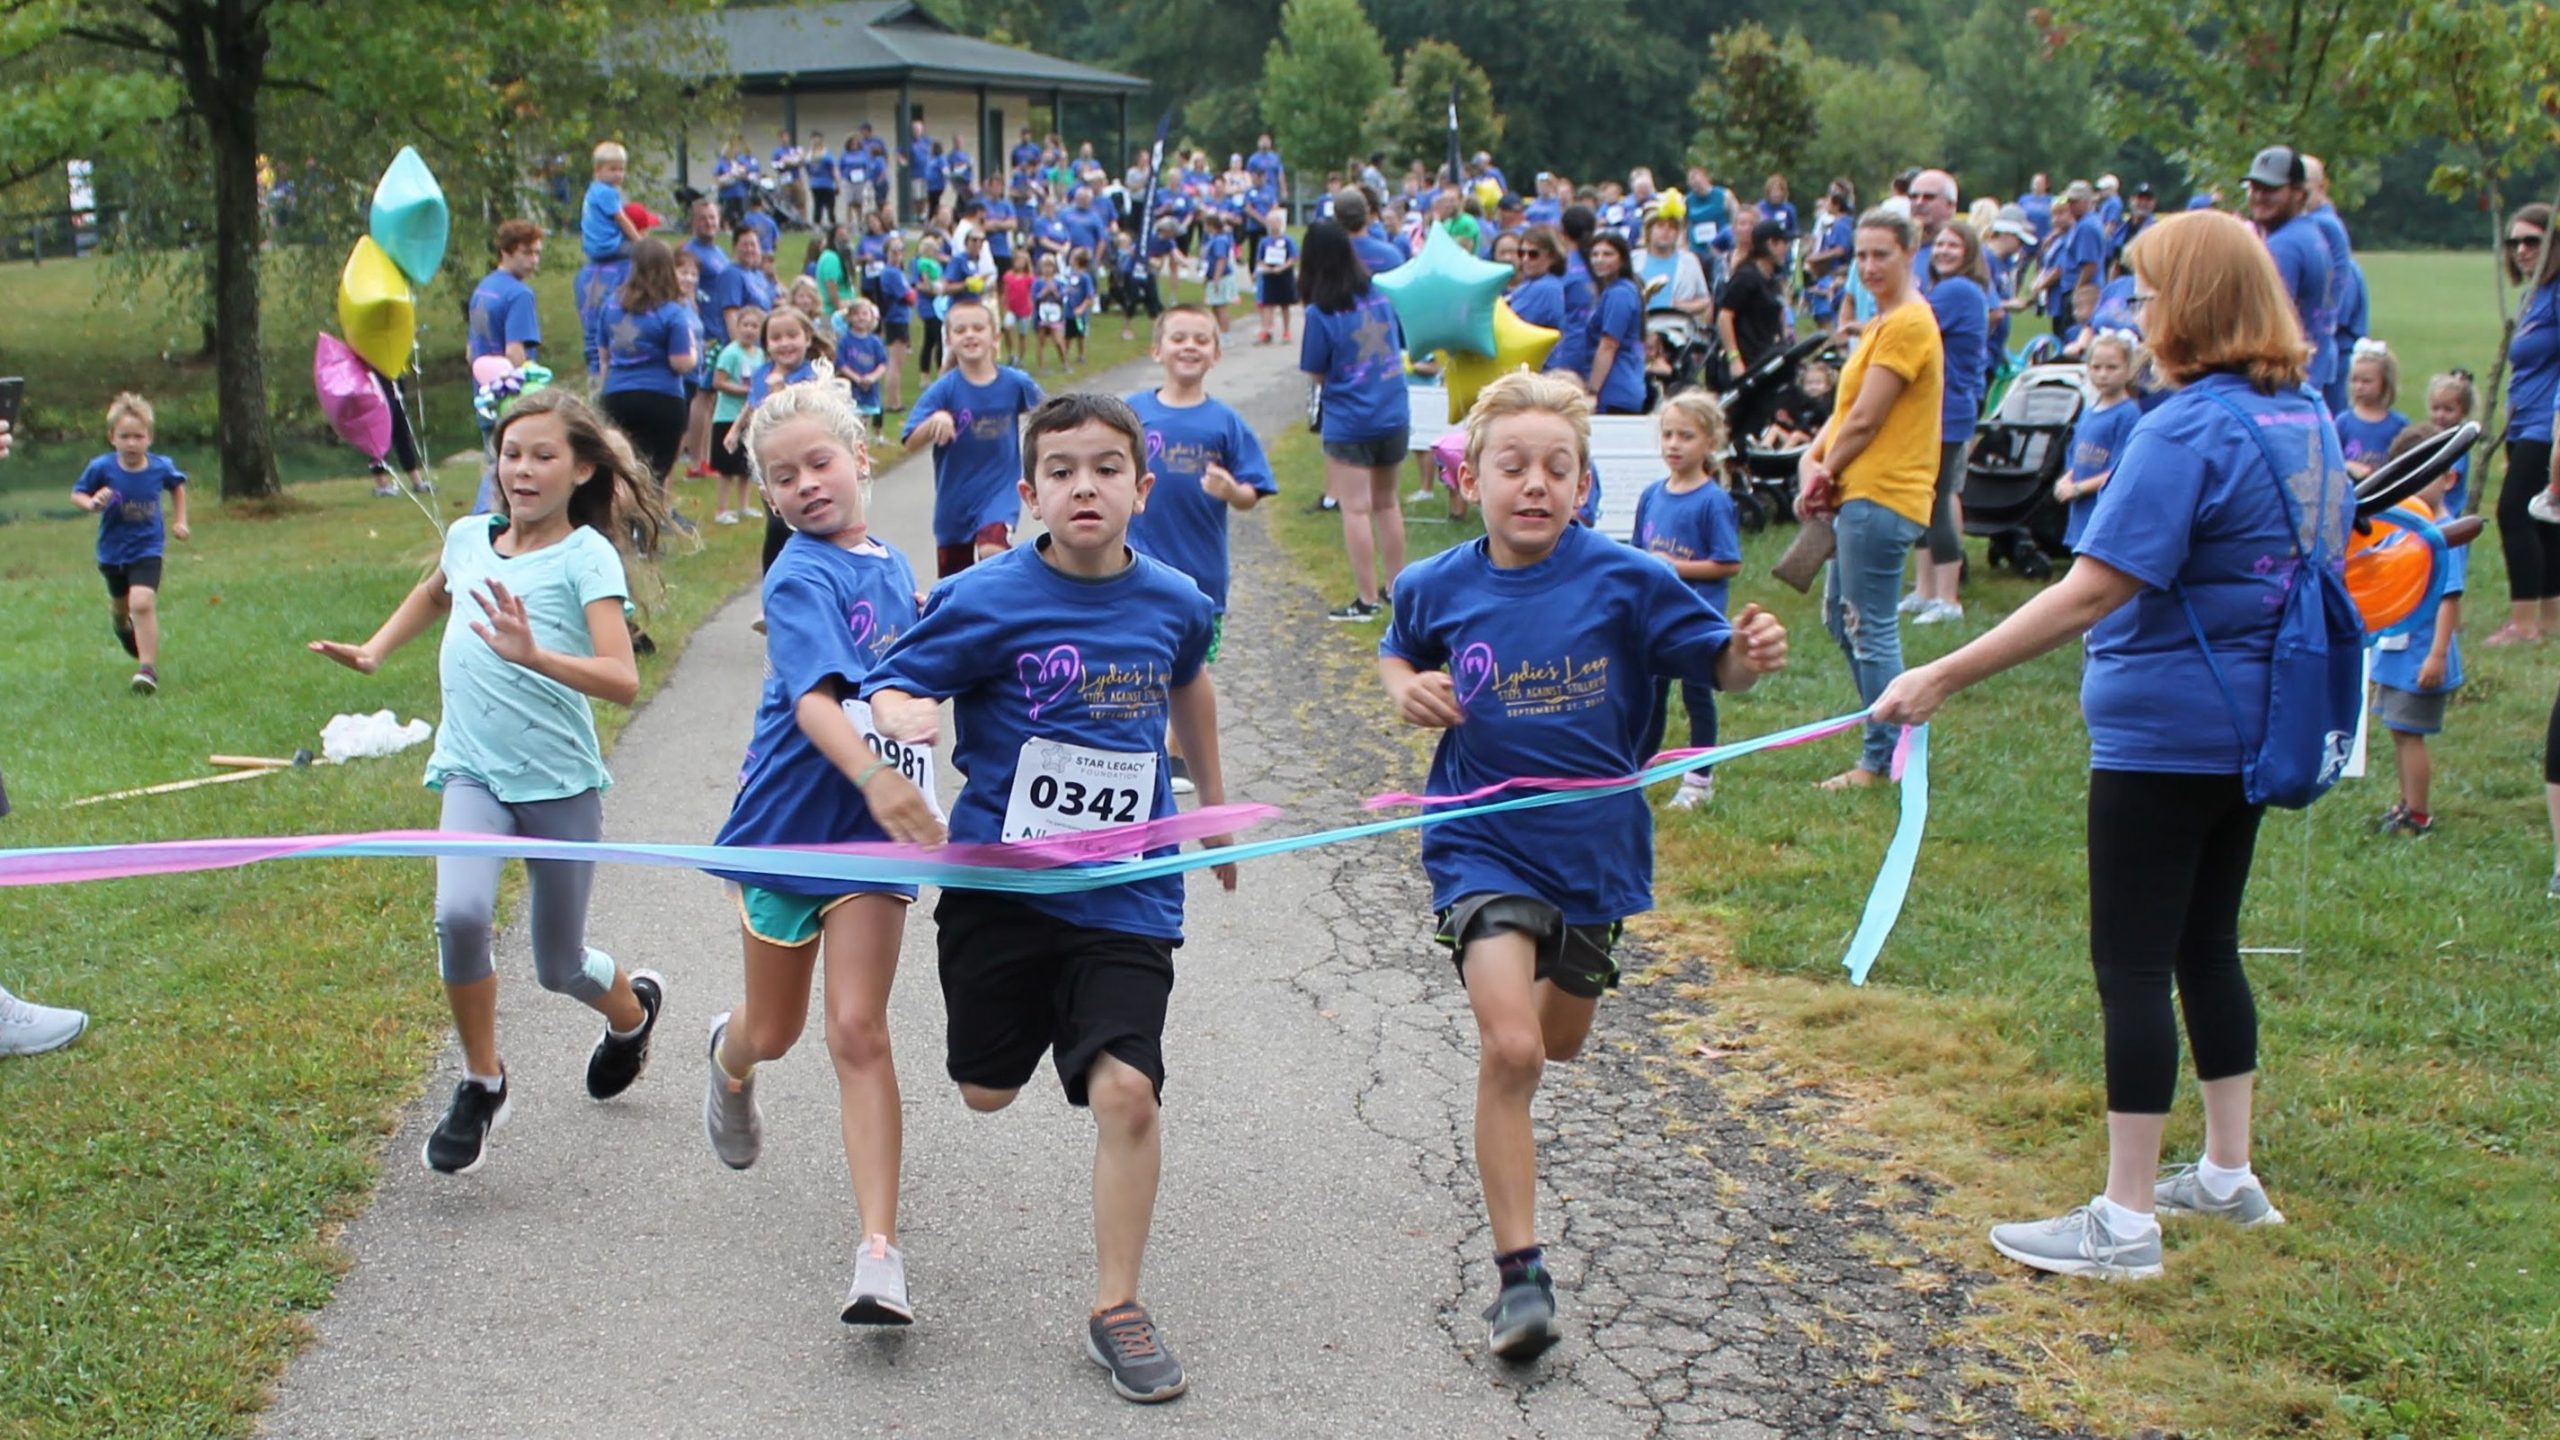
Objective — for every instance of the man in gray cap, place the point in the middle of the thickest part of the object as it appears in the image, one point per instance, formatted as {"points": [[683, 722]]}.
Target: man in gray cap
{"points": [[2279, 193]]}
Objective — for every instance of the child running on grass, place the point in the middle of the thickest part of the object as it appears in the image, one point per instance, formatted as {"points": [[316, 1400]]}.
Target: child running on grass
{"points": [[1534, 651], [2416, 672], [1686, 519], [818, 773], [1065, 661], [741, 358], [971, 415], [517, 752], [123, 489], [1208, 465]]}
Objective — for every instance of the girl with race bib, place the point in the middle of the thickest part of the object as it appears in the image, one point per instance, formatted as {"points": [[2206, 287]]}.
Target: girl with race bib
{"points": [[818, 773]]}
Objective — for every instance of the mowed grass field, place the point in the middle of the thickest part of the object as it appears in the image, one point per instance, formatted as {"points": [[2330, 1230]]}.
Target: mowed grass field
{"points": [[2409, 1080]]}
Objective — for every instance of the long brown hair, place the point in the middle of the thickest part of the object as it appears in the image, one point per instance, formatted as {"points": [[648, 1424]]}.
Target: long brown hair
{"points": [[620, 501], [1972, 268], [653, 278], [2217, 304], [2537, 215]]}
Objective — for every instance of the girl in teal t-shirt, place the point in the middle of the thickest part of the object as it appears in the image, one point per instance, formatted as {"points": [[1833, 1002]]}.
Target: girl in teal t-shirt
{"points": [[738, 360], [543, 630]]}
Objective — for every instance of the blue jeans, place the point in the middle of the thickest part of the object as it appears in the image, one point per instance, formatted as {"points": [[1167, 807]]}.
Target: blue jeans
{"points": [[1859, 596]]}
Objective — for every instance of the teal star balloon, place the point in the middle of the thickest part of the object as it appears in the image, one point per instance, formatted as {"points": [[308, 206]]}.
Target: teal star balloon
{"points": [[1444, 298]]}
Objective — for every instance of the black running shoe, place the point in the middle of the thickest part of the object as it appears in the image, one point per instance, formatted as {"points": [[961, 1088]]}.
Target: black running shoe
{"points": [[1356, 613], [1524, 1319], [461, 1138], [619, 1060], [1123, 1340]]}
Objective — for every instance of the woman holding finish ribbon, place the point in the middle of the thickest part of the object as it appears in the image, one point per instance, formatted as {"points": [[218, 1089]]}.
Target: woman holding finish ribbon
{"points": [[2195, 516]]}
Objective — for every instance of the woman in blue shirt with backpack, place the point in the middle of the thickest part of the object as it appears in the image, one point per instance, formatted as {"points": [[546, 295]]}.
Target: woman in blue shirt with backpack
{"points": [[2227, 514]]}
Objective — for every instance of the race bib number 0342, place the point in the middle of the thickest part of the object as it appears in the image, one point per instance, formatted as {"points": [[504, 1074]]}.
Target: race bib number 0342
{"points": [[1065, 789], [915, 762]]}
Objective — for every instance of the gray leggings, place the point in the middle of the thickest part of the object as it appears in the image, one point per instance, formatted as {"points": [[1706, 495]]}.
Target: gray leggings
{"points": [[467, 890], [1946, 537]]}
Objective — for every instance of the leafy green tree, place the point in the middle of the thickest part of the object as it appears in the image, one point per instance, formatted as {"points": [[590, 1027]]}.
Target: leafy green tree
{"points": [[2211, 81], [1319, 78], [182, 98], [2018, 102], [1411, 122], [1870, 120], [1755, 108], [1588, 88]]}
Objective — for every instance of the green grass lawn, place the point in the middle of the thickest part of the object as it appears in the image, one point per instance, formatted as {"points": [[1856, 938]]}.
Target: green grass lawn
{"points": [[171, 1183], [2408, 1060]]}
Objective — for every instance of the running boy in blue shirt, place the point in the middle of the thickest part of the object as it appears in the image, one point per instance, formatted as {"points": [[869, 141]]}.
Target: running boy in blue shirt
{"points": [[1065, 661], [605, 237], [123, 489], [971, 416], [1534, 651]]}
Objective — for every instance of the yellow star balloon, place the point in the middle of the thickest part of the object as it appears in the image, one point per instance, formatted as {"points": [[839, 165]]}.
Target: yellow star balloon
{"points": [[1517, 345]]}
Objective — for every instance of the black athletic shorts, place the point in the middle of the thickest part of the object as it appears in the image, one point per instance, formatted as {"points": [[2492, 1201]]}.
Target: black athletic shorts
{"points": [[725, 461], [1017, 983], [1580, 959], [144, 572]]}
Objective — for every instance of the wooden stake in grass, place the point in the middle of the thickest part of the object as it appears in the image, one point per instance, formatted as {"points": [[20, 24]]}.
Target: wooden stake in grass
{"points": [[242, 767]]}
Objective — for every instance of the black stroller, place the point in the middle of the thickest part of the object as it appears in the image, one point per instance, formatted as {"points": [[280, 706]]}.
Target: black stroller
{"points": [[1763, 480], [2023, 447], [1686, 342]]}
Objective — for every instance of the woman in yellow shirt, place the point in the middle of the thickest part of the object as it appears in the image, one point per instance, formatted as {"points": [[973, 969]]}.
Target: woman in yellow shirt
{"points": [[1874, 470]]}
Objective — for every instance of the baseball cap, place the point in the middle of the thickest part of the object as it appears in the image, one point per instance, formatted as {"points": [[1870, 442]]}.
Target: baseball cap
{"points": [[2012, 220], [2109, 182], [1512, 202], [2142, 189], [2276, 166]]}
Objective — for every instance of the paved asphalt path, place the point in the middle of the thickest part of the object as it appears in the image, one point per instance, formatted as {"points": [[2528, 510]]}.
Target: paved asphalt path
{"points": [[1319, 1255]]}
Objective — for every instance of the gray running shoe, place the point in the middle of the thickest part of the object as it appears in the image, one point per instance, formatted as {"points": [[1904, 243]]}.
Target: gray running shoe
{"points": [[2079, 1244], [729, 1112], [879, 1286], [2181, 1192], [1123, 1340], [1523, 1319]]}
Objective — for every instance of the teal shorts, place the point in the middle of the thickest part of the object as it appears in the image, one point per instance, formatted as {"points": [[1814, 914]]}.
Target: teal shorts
{"points": [[790, 921], [1217, 637]]}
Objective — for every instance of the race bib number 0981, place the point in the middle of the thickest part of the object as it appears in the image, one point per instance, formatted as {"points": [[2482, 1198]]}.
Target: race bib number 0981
{"points": [[915, 762], [1066, 789]]}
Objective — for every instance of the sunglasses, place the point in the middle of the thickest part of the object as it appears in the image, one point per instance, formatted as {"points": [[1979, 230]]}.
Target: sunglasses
{"points": [[2523, 242]]}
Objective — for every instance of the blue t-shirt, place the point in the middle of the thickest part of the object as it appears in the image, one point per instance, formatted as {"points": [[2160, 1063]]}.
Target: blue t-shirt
{"points": [[897, 296], [957, 169], [974, 475], [2302, 262], [1619, 316], [732, 175], [1781, 212], [1554, 664], [737, 285], [999, 242], [1275, 249], [855, 354], [830, 613], [1964, 333], [130, 529], [1217, 257], [1184, 525], [525, 736], [1359, 352], [2192, 505], [502, 312], [710, 266], [2084, 244], [1699, 525], [1080, 293], [1540, 302], [1378, 253], [2097, 441], [637, 347], [766, 230], [2398, 658], [761, 381], [822, 170], [1027, 652], [2039, 210], [600, 222], [2368, 442], [1265, 164], [2535, 354], [2109, 213], [1572, 349]]}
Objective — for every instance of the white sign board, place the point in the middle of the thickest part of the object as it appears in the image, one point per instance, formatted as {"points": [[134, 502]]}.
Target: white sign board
{"points": [[1428, 414], [1627, 456]]}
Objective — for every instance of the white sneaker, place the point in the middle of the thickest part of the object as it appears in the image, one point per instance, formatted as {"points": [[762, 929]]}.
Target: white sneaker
{"points": [[725, 517], [2544, 507], [1690, 797], [879, 1295], [1912, 604], [27, 1028], [1932, 612]]}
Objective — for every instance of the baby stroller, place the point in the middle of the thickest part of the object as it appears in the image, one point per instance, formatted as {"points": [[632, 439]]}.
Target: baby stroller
{"points": [[1763, 481], [2022, 448], [1685, 344]]}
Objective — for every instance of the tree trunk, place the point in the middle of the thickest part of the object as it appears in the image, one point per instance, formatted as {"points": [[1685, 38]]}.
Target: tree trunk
{"points": [[224, 85]]}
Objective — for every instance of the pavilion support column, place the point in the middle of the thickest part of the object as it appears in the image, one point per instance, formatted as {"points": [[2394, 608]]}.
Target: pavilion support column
{"points": [[906, 179]]}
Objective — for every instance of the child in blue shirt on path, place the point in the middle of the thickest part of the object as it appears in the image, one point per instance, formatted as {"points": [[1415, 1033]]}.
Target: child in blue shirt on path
{"points": [[1688, 521], [862, 359], [605, 238], [2097, 439], [517, 752], [2416, 672], [123, 489], [1065, 661], [971, 415], [818, 772], [2366, 431], [1208, 464], [1534, 651]]}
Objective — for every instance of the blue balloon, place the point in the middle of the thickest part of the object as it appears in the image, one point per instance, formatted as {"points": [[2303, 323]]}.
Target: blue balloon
{"points": [[410, 221], [1444, 298]]}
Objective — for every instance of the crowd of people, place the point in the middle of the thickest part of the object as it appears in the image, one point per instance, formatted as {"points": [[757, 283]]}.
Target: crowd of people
{"points": [[2236, 399]]}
